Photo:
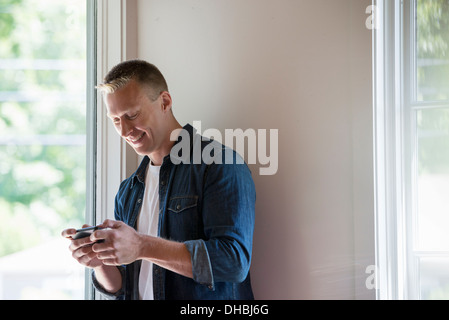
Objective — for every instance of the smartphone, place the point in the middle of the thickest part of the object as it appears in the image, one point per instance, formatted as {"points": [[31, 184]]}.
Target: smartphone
{"points": [[85, 232]]}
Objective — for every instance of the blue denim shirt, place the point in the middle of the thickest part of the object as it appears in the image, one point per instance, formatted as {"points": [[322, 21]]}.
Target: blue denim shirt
{"points": [[208, 207]]}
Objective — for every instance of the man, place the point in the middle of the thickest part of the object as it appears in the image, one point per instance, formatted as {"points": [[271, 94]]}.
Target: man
{"points": [[183, 229]]}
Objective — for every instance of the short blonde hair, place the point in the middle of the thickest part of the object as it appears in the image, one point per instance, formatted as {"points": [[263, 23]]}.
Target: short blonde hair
{"points": [[114, 85], [145, 73]]}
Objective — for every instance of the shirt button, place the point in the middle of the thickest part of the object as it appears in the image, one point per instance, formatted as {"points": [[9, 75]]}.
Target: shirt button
{"points": [[163, 182], [178, 207], [139, 200]]}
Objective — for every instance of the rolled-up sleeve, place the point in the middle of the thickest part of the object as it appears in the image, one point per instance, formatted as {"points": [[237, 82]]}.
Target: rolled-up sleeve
{"points": [[201, 267], [228, 214], [108, 295]]}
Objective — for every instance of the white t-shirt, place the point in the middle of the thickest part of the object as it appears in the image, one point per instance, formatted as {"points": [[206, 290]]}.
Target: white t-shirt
{"points": [[147, 223]]}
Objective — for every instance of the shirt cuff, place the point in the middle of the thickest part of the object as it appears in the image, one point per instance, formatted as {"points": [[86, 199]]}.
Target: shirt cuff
{"points": [[201, 266], [107, 295]]}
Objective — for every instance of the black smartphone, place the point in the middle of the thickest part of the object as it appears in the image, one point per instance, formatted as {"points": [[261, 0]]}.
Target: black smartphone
{"points": [[85, 232]]}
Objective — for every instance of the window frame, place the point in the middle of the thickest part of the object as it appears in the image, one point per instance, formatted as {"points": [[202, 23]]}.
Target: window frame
{"points": [[412, 107], [91, 121], [116, 42], [396, 150], [112, 38], [388, 207]]}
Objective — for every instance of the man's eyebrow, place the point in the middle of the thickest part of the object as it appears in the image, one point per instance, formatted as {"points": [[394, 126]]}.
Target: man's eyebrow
{"points": [[127, 112]]}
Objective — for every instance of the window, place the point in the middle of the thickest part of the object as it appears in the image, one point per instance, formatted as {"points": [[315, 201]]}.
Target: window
{"points": [[412, 149], [44, 167], [429, 174]]}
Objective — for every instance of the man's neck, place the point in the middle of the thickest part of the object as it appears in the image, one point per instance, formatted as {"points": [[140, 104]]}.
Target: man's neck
{"points": [[157, 157]]}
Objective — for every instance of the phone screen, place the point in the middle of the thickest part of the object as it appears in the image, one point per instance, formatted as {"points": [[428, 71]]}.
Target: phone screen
{"points": [[83, 233]]}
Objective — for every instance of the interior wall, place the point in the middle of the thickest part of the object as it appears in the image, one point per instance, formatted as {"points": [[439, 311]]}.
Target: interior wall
{"points": [[302, 67]]}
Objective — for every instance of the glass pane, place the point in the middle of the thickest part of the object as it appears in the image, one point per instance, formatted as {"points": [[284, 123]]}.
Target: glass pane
{"points": [[42, 146], [434, 278], [433, 179], [432, 50]]}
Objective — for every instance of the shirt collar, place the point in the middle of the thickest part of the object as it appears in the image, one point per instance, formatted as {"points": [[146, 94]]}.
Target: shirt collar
{"points": [[191, 131], [141, 171]]}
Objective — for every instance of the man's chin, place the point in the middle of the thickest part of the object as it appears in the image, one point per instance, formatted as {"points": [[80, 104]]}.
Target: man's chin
{"points": [[139, 150]]}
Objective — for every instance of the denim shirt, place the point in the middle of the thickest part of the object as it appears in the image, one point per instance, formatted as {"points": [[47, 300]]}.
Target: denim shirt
{"points": [[208, 207]]}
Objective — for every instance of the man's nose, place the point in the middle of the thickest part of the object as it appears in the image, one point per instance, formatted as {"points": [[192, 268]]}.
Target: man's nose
{"points": [[125, 129]]}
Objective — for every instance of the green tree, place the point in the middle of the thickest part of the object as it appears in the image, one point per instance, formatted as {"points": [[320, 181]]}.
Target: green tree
{"points": [[433, 84], [433, 49], [42, 120]]}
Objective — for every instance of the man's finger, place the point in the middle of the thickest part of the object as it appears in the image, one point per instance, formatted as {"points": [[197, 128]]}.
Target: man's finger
{"points": [[68, 233], [76, 244], [110, 262], [101, 247], [107, 254], [105, 229], [82, 251], [112, 224], [101, 234]]}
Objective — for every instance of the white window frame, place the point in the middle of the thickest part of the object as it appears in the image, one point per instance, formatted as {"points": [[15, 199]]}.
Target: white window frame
{"points": [[395, 145], [112, 38], [386, 123], [91, 119], [412, 107], [116, 42]]}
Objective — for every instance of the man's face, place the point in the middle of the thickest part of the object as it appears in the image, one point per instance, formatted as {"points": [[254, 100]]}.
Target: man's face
{"points": [[137, 118]]}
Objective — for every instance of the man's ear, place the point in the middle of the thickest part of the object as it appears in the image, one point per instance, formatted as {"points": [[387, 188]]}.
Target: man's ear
{"points": [[166, 101]]}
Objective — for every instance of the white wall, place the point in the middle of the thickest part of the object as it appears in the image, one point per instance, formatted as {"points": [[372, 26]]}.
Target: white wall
{"points": [[303, 67]]}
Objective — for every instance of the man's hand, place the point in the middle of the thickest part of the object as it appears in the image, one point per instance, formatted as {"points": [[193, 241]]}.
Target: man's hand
{"points": [[82, 249], [122, 244]]}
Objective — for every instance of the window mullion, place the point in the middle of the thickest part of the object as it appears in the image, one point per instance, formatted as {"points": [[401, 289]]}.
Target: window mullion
{"points": [[386, 150], [410, 142], [91, 121], [116, 160]]}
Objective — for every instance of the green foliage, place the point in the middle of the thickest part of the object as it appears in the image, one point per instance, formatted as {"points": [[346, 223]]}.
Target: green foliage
{"points": [[433, 49], [433, 29], [433, 133], [42, 120], [433, 85]]}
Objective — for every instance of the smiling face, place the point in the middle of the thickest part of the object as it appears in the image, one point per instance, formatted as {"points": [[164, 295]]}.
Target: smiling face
{"points": [[145, 124]]}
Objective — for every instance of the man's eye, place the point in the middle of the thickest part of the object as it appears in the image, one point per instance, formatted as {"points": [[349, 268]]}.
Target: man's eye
{"points": [[132, 117], [116, 121]]}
